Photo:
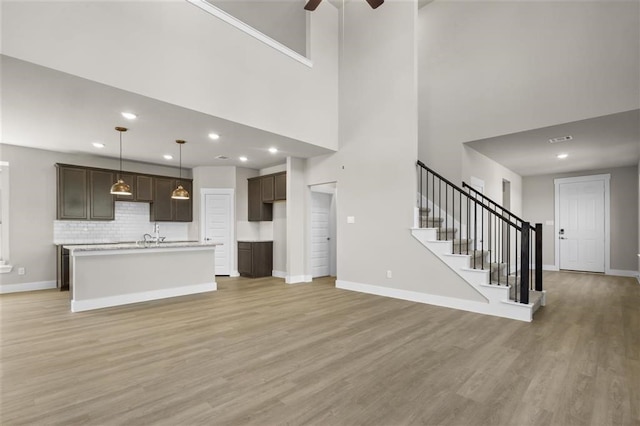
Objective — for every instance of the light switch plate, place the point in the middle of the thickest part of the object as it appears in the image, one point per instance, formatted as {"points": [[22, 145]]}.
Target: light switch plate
{"points": [[548, 223], [351, 219]]}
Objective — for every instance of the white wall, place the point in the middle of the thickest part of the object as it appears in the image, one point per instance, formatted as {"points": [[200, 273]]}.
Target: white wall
{"points": [[280, 238], [494, 68], [538, 207], [479, 166], [177, 53], [375, 167]]}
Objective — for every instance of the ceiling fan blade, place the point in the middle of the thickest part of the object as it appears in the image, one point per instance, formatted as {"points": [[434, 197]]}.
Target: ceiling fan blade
{"points": [[312, 4], [375, 3]]}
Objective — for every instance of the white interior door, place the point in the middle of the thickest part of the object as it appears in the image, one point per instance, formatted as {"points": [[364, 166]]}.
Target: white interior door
{"points": [[320, 234], [581, 226], [218, 216]]}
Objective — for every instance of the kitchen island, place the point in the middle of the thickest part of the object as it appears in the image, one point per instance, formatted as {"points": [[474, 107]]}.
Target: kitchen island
{"points": [[104, 275]]}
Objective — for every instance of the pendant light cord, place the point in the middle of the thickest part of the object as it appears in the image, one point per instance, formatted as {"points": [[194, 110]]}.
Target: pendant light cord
{"points": [[119, 175]]}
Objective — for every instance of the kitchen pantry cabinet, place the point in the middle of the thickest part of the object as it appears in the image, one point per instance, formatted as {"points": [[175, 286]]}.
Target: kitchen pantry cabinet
{"points": [[166, 209], [262, 192], [83, 194], [255, 258]]}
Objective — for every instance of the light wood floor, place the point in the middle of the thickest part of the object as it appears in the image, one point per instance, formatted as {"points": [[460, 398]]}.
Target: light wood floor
{"points": [[262, 352]]}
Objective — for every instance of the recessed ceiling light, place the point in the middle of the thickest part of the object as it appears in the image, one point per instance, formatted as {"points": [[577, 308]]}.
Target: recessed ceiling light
{"points": [[273, 150], [129, 115], [243, 158], [168, 157], [561, 139], [214, 136], [562, 156], [99, 145]]}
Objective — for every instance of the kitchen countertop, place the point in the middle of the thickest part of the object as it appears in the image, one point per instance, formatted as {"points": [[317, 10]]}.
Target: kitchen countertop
{"points": [[138, 246]]}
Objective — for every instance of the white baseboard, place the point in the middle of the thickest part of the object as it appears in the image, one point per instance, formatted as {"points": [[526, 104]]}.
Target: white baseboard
{"points": [[298, 279], [16, 288], [125, 299], [622, 273], [234, 274], [279, 274], [506, 310], [550, 268]]}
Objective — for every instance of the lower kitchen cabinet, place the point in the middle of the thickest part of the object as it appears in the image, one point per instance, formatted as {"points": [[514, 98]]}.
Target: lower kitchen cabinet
{"points": [[62, 268], [255, 258]]}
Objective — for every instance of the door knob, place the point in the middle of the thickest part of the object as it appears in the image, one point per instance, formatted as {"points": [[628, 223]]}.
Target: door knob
{"points": [[563, 238]]}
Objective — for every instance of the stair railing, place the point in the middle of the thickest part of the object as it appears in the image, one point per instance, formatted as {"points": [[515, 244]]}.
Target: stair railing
{"points": [[536, 236], [496, 240]]}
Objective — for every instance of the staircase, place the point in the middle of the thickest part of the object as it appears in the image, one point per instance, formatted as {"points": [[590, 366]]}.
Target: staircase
{"points": [[489, 247]]}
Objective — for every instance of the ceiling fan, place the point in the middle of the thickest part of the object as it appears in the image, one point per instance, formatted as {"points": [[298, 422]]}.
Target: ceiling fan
{"points": [[312, 4]]}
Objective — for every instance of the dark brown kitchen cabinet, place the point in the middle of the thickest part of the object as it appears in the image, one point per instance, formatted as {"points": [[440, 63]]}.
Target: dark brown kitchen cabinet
{"points": [[83, 193], [62, 268], [258, 211], [72, 193], [144, 188], [280, 187], [262, 192], [255, 258], [162, 207], [101, 202], [266, 188], [141, 187], [166, 209]]}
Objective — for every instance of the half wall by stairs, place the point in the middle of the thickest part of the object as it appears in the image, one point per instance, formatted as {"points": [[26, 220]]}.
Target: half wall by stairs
{"points": [[490, 280]]}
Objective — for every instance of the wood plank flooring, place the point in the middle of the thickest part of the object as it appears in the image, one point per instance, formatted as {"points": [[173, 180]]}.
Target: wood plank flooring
{"points": [[260, 352]]}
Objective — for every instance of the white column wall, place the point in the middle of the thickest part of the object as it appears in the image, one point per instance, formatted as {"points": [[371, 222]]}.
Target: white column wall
{"points": [[375, 167]]}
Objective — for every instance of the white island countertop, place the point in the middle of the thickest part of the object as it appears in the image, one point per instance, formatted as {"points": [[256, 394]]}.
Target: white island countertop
{"points": [[103, 275]]}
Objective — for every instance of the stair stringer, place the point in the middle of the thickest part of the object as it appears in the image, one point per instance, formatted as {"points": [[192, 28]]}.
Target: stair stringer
{"points": [[498, 303]]}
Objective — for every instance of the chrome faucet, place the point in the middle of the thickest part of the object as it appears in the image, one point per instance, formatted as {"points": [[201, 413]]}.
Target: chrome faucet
{"points": [[148, 238]]}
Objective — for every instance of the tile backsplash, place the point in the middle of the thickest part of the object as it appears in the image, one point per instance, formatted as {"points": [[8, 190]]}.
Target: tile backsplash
{"points": [[130, 224]]}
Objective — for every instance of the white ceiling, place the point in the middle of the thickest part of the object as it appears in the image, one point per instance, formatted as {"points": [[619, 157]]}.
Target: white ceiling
{"points": [[603, 142], [47, 109]]}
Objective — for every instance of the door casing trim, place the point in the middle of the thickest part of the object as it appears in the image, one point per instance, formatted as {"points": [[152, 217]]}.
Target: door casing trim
{"points": [[605, 178]]}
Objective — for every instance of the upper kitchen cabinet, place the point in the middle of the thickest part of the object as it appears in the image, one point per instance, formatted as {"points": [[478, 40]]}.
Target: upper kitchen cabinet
{"points": [[166, 209], [262, 192], [184, 208], [141, 187], [72, 193], [144, 188], [280, 186], [83, 194], [101, 202], [266, 188]]}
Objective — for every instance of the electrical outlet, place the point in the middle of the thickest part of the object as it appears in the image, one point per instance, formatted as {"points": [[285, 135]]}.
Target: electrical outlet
{"points": [[21, 271], [389, 274]]}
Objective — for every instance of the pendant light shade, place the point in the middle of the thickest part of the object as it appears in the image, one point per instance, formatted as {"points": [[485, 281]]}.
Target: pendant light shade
{"points": [[120, 187], [180, 193]]}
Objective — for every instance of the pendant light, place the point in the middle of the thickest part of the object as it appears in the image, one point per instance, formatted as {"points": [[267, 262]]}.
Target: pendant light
{"points": [[180, 193], [120, 187]]}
